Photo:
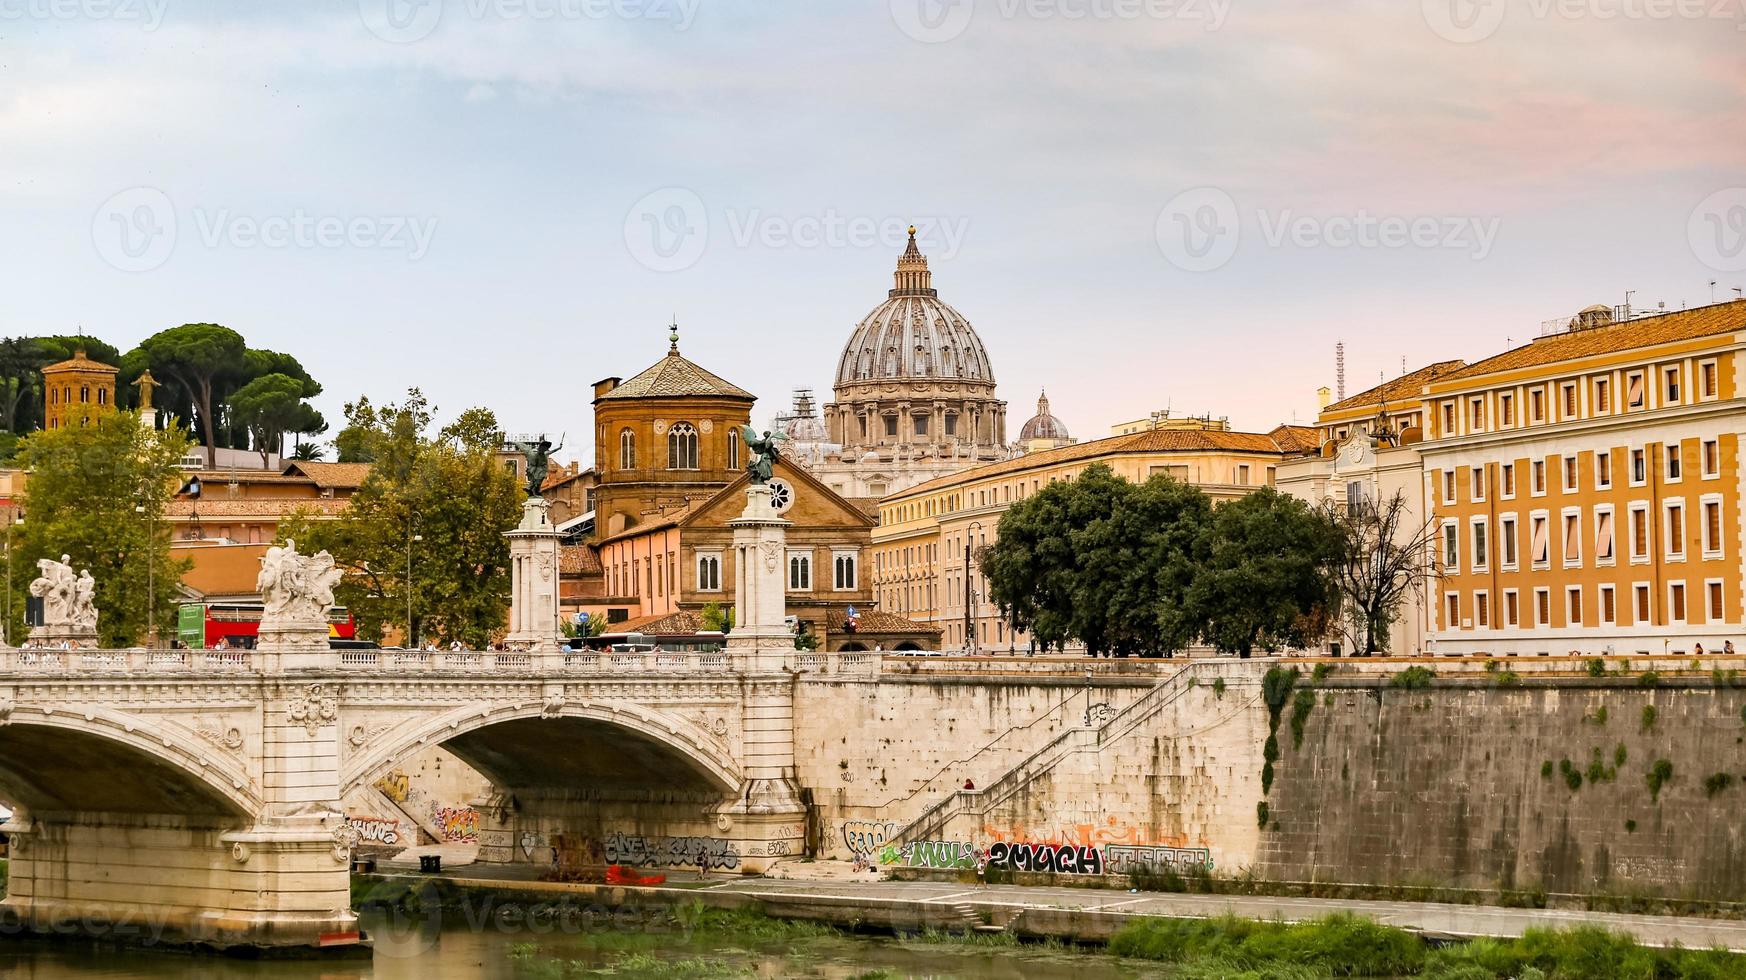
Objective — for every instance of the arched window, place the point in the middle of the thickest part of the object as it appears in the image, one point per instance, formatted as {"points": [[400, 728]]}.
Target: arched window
{"points": [[84, 393], [682, 447], [627, 450], [102, 396], [54, 396], [733, 457]]}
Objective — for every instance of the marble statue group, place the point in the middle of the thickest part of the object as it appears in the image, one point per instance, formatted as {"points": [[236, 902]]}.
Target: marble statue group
{"points": [[296, 589], [68, 601]]}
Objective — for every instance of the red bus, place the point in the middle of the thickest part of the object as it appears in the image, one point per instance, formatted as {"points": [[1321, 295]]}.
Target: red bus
{"points": [[206, 625]]}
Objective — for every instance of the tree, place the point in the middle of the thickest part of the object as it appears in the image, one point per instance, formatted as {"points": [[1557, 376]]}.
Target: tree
{"points": [[1384, 554], [1268, 576], [271, 406], [206, 361], [307, 452], [1100, 561], [457, 498], [97, 494], [21, 362]]}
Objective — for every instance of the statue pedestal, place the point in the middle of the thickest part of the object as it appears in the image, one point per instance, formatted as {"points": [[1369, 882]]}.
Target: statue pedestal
{"points": [[293, 646], [761, 640], [55, 635], [533, 597]]}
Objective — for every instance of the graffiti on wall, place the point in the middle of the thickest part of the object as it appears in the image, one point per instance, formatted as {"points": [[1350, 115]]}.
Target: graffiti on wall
{"points": [[703, 853], [374, 830], [457, 824], [395, 786], [868, 837], [1046, 857], [937, 854], [1124, 859], [1070, 859], [1085, 834]]}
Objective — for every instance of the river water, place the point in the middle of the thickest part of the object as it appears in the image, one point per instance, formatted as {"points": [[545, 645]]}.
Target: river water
{"points": [[421, 948]]}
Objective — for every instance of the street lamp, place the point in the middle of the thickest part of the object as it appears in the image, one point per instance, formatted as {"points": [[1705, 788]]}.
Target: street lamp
{"points": [[969, 596], [151, 573], [16, 520], [411, 637]]}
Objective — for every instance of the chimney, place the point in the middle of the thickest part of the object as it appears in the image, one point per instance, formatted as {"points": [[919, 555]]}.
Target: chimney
{"points": [[1324, 396]]}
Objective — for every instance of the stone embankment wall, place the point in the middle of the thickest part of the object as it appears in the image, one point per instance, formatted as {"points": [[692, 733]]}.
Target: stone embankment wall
{"points": [[1152, 761], [1527, 784]]}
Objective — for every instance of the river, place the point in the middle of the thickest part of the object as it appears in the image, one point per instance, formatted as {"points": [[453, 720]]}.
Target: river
{"points": [[422, 948]]}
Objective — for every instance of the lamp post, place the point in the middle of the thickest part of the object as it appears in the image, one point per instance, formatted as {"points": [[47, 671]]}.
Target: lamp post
{"points": [[413, 538], [151, 573], [17, 519], [969, 596]]}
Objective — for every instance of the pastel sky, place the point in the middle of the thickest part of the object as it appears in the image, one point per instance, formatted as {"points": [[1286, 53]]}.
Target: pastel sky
{"points": [[1139, 203]]}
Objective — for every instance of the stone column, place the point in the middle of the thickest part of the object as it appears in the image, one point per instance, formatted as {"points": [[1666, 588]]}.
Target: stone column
{"points": [[533, 602], [766, 816]]}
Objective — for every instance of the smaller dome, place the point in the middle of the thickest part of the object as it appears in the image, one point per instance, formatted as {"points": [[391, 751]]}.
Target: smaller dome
{"points": [[1043, 425]]}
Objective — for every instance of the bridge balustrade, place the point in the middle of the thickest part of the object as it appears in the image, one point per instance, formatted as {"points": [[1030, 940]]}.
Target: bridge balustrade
{"points": [[138, 660]]}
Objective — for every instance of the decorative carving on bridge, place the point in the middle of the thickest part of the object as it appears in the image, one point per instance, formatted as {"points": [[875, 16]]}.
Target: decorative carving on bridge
{"points": [[240, 853], [297, 590], [69, 609], [231, 738], [318, 706], [772, 554], [360, 734], [6, 706], [553, 706], [345, 837]]}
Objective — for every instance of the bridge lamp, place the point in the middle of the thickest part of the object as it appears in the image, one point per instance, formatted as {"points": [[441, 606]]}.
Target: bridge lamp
{"points": [[411, 640]]}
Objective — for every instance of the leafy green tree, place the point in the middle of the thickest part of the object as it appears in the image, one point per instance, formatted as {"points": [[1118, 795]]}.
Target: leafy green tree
{"points": [[96, 494], [271, 406], [206, 362], [1268, 576], [307, 452], [455, 497], [21, 362]]}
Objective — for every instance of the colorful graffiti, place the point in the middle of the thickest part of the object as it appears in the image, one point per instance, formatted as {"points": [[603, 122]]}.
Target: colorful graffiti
{"points": [[395, 786], [868, 836], [938, 854], [703, 853], [457, 824], [374, 830], [1045, 857], [1123, 859], [1070, 859], [1086, 834]]}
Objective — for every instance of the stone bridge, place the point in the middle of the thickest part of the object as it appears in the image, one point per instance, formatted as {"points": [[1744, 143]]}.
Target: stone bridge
{"points": [[198, 794]]}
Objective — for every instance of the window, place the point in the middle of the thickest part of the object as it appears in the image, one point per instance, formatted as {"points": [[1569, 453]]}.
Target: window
{"points": [[1707, 386], [709, 573], [1542, 607], [1639, 467], [1481, 549], [1506, 409], [1641, 611], [1676, 602], [1639, 518], [1569, 474], [1476, 415], [1451, 547], [1537, 471], [799, 573], [891, 425], [921, 423], [1675, 529], [733, 453], [1670, 385], [1448, 486], [1452, 609], [1506, 541], [1572, 537], [102, 396], [1569, 394], [843, 570], [1603, 469], [1476, 482], [1243, 475], [1634, 390], [1710, 456], [1448, 418], [1603, 535], [1507, 474], [84, 393], [1713, 611], [1711, 508], [1355, 497], [1539, 542], [627, 450], [1600, 396], [682, 447], [1573, 605], [1512, 608], [1609, 613], [1675, 465], [1481, 609], [1536, 405]]}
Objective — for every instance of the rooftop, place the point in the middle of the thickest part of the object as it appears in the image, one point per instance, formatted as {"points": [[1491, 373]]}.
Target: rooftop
{"points": [[1649, 331], [1405, 388], [673, 376]]}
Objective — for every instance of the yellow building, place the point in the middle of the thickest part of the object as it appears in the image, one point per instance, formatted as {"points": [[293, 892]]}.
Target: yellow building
{"points": [[1164, 420], [76, 390], [919, 559], [1586, 489]]}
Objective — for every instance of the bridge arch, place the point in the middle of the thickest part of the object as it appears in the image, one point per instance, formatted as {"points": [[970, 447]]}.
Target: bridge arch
{"points": [[515, 743], [108, 761]]}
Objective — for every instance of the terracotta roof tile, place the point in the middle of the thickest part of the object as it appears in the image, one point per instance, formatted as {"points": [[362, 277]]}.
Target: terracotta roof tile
{"points": [[344, 476], [579, 559], [673, 375], [876, 621], [1704, 321], [682, 623], [1402, 389]]}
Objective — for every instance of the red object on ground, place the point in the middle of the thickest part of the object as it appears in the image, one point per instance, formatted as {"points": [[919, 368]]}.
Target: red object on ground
{"points": [[618, 874]]}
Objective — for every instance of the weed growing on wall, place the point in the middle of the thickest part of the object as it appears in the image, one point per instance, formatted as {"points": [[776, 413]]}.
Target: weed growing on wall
{"points": [[1413, 678], [1649, 679], [1301, 706], [1509, 678], [1269, 754], [1660, 774], [1572, 775], [1261, 814], [1630, 826], [1321, 672], [1218, 686], [1599, 771], [1717, 782], [1600, 714], [1648, 718], [1596, 668], [1546, 769]]}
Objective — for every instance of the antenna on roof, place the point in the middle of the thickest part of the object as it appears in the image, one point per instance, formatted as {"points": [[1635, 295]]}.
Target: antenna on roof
{"points": [[1712, 290], [1340, 370]]}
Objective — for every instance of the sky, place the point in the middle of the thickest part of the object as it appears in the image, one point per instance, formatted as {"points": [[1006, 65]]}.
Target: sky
{"points": [[1139, 204]]}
